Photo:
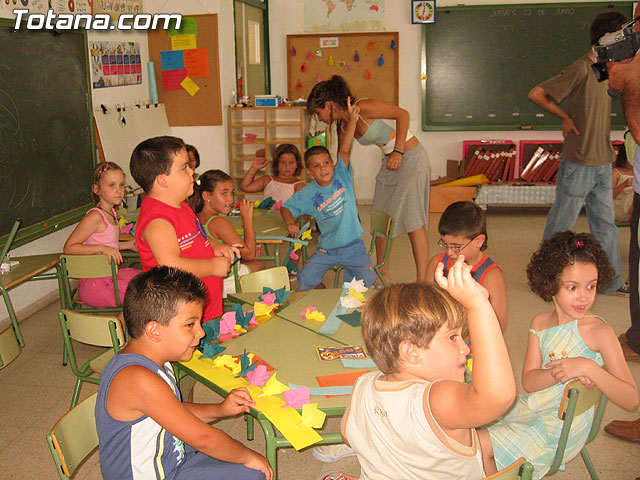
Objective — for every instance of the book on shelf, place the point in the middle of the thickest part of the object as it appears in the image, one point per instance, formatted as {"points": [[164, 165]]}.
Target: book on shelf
{"points": [[471, 164]]}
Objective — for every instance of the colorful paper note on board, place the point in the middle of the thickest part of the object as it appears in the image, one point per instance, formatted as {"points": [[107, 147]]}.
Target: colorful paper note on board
{"points": [[171, 60], [196, 61], [190, 86], [172, 79], [183, 42], [188, 26]]}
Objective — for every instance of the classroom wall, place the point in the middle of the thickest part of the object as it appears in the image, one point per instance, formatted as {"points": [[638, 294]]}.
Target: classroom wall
{"points": [[285, 20]]}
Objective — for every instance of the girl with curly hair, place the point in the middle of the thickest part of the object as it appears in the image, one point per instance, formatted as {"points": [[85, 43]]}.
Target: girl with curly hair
{"points": [[565, 343]]}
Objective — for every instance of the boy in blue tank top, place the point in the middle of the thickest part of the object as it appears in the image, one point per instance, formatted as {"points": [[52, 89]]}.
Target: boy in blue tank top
{"points": [[463, 230], [331, 200], [144, 429]]}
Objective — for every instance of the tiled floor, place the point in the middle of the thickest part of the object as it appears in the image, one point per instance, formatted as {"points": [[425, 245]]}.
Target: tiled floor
{"points": [[35, 390]]}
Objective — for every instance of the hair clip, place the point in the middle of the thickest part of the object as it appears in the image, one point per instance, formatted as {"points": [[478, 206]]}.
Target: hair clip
{"points": [[578, 243], [198, 182], [104, 168]]}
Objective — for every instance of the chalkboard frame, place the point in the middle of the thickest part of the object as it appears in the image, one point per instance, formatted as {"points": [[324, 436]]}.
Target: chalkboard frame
{"points": [[57, 222], [426, 126]]}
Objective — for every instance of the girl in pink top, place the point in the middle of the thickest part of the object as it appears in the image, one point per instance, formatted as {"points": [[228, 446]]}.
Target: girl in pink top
{"points": [[285, 181], [98, 233]]}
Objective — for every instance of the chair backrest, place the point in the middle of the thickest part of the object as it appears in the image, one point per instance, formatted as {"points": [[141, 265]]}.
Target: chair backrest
{"points": [[96, 330], [518, 470], [381, 224], [9, 346], [275, 278], [87, 266], [74, 437], [577, 399]]}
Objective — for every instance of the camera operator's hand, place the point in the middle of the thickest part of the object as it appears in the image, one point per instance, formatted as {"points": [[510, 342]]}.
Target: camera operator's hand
{"points": [[568, 126], [623, 72], [624, 76]]}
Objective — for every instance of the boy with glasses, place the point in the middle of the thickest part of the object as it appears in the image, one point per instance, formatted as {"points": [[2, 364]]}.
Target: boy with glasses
{"points": [[463, 230]]}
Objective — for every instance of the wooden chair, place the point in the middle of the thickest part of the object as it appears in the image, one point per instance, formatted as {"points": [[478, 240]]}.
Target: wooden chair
{"points": [[74, 437], [86, 266], [9, 346], [381, 224], [276, 277], [95, 330], [518, 470], [575, 401]]}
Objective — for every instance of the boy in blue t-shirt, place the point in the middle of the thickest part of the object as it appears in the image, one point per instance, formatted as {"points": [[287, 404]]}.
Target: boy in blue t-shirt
{"points": [[331, 201]]}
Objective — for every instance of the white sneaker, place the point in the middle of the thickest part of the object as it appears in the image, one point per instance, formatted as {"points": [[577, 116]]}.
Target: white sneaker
{"points": [[332, 453]]}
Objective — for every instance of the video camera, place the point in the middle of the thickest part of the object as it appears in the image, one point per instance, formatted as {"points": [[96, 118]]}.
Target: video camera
{"points": [[614, 47]]}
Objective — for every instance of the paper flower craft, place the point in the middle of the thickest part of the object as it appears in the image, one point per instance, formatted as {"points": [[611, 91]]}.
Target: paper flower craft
{"points": [[311, 416], [258, 376], [267, 203], [260, 309], [245, 364], [277, 205], [268, 298], [229, 362], [315, 315], [243, 319], [306, 235], [358, 285], [227, 323], [212, 350], [296, 397], [307, 311], [282, 295], [211, 331], [294, 256], [274, 386], [127, 228]]}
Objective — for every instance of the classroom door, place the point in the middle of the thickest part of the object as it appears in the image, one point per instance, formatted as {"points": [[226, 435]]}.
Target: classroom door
{"points": [[252, 49]]}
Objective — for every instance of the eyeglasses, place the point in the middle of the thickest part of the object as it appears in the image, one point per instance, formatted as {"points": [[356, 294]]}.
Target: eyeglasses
{"points": [[456, 248]]}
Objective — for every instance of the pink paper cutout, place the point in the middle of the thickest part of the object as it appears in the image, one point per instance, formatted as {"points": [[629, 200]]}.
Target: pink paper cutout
{"points": [[268, 298], [296, 397], [227, 322], [294, 256], [253, 322], [258, 376], [277, 205], [307, 310], [127, 229]]}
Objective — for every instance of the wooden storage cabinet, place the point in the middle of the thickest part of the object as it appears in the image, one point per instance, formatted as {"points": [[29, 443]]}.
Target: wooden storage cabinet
{"points": [[255, 128]]}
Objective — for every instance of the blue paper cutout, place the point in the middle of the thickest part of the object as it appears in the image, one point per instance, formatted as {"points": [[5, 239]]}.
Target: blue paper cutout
{"points": [[381, 60], [172, 60], [242, 318], [212, 350], [211, 331], [245, 365]]}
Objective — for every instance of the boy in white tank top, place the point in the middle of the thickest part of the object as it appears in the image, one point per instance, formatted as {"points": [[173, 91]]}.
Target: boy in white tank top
{"points": [[416, 418]]}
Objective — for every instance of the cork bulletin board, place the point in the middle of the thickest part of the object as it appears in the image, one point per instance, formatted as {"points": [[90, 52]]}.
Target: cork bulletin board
{"points": [[313, 58], [205, 107]]}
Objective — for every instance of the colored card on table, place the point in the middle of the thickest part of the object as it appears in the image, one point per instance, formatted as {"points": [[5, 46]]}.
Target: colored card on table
{"points": [[339, 379], [327, 354]]}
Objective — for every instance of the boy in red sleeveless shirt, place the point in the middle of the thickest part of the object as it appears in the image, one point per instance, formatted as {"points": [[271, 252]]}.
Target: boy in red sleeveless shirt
{"points": [[463, 230], [167, 231]]}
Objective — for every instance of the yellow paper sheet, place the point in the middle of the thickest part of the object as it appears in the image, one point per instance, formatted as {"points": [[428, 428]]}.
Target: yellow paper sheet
{"points": [[260, 309], [274, 386], [311, 416], [183, 42], [190, 86], [287, 420]]}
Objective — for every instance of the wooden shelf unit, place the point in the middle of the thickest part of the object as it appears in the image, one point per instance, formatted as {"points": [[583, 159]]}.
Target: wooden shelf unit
{"points": [[271, 126]]}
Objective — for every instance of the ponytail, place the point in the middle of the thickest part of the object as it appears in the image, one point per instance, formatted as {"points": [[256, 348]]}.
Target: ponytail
{"points": [[206, 183]]}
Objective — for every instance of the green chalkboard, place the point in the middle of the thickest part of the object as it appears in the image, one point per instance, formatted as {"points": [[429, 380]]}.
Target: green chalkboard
{"points": [[46, 130], [479, 62]]}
